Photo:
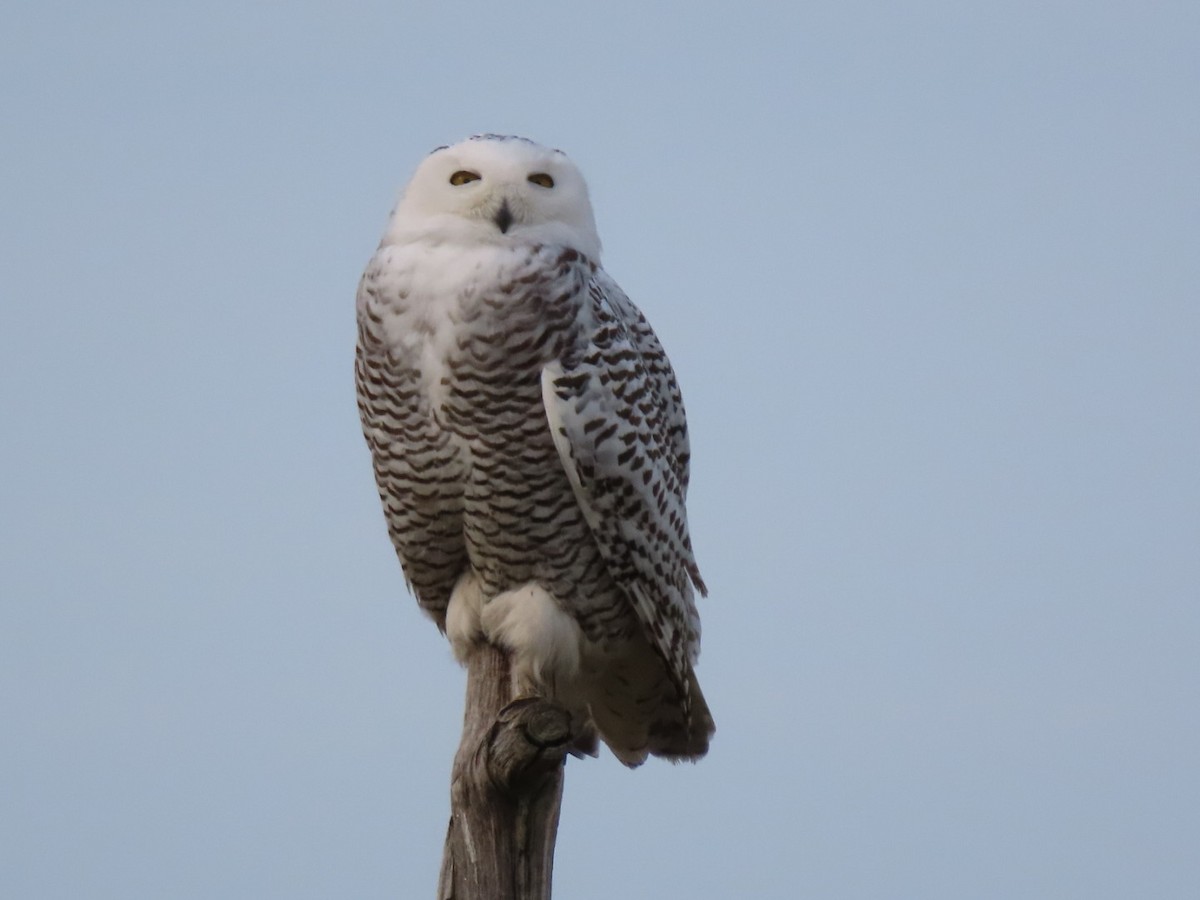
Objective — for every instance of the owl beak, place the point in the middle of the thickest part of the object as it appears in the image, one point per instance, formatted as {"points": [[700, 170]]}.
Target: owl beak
{"points": [[503, 217]]}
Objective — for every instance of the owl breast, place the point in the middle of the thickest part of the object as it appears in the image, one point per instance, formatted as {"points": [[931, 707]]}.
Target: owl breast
{"points": [[521, 522], [473, 332]]}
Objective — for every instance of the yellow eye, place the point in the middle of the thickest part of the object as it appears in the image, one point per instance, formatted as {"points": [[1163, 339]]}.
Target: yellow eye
{"points": [[462, 176], [541, 179]]}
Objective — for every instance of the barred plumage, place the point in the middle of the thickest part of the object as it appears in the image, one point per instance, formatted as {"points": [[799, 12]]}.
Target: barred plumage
{"points": [[530, 445]]}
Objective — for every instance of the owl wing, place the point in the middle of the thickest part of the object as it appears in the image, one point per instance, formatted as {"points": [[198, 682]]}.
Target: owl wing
{"points": [[658, 370], [617, 419], [417, 470]]}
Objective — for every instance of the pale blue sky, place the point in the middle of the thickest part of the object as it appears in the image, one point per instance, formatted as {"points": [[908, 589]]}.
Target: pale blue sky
{"points": [[930, 275]]}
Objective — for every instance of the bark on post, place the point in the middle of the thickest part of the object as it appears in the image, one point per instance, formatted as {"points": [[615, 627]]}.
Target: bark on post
{"points": [[505, 789]]}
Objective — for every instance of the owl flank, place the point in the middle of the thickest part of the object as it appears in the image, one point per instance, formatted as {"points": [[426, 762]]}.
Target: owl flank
{"points": [[530, 445]]}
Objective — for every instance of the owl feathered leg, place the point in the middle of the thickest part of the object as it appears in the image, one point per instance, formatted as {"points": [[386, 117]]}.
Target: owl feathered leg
{"points": [[544, 645], [621, 691]]}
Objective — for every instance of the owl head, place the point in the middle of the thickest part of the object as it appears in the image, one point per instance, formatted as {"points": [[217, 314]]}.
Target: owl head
{"points": [[496, 189]]}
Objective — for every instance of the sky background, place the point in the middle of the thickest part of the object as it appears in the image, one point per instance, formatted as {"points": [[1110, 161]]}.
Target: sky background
{"points": [[930, 276]]}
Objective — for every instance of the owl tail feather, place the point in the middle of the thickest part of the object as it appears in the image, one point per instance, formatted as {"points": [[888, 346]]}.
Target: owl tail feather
{"points": [[639, 712]]}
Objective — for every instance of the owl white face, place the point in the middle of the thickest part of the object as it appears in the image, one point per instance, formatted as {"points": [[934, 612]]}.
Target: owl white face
{"points": [[506, 191]]}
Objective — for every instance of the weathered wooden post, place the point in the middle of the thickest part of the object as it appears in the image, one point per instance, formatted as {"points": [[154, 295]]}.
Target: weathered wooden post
{"points": [[505, 789]]}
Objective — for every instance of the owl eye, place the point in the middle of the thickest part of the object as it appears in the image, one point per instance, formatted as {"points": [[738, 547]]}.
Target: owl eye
{"points": [[462, 176], [541, 179]]}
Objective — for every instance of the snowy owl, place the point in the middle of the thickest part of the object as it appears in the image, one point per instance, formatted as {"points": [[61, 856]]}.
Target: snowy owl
{"points": [[530, 446]]}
